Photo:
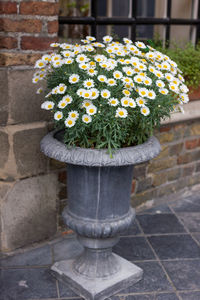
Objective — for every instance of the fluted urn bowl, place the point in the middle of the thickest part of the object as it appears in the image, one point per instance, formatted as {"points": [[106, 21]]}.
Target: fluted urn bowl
{"points": [[98, 210]]}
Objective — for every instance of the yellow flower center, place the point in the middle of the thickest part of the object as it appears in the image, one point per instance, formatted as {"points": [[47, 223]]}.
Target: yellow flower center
{"points": [[91, 110], [50, 106], [141, 102], [41, 64], [59, 116], [113, 102], [143, 93], [87, 104], [86, 119], [94, 94], [126, 102], [70, 122], [150, 94], [105, 94], [61, 88], [73, 115], [144, 110], [63, 104], [87, 94], [121, 113], [89, 83], [74, 79], [81, 58]]}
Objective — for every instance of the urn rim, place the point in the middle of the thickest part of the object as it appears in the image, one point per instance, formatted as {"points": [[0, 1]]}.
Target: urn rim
{"points": [[56, 149]]}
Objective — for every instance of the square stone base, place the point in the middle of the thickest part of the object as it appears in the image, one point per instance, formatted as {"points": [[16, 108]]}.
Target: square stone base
{"points": [[97, 289]]}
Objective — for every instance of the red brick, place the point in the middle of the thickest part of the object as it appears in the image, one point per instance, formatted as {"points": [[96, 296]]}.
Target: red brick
{"points": [[8, 43], [133, 186], [20, 26], [39, 8], [36, 43], [8, 8], [191, 144], [52, 27], [165, 128]]}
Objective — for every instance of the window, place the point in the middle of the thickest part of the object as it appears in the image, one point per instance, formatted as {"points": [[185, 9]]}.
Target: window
{"points": [[136, 19]]}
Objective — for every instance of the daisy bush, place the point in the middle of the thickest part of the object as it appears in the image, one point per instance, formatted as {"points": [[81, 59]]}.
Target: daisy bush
{"points": [[109, 94]]}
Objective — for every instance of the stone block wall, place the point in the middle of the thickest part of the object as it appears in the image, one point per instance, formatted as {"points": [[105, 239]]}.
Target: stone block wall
{"points": [[177, 166], [29, 185]]}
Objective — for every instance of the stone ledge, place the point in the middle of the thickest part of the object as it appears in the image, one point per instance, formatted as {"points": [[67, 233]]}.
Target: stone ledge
{"points": [[191, 112]]}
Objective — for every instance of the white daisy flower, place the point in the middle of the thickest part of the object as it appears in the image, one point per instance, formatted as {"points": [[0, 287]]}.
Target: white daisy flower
{"points": [[184, 97], [102, 78], [83, 66], [54, 45], [87, 94], [117, 75], [86, 118], [138, 79], [94, 93], [68, 99], [143, 92], [48, 105], [82, 58], [173, 87], [46, 58], [127, 41], [69, 122], [150, 55], [90, 38], [67, 54], [107, 39], [151, 94], [54, 91], [92, 72], [145, 110], [62, 104], [127, 80], [80, 92], [56, 57], [89, 83], [113, 101], [39, 91], [125, 101], [160, 83], [169, 77], [86, 103], [89, 48], [165, 66], [91, 110], [48, 95], [121, 112], [132, 103], [140, 45], [74, 78], [181, 78], [147, 81], [184, 88], [176, 81], [61, 88], [173, 64], [126, 93], [159, 56], [57, 63], [35, 79], [111, 82], [152, 69], [140, 102], [68, 61], [105, 94], [99, 58], [58, 115], [66, 46], [159, 74], [163, 91], [73, 115]]}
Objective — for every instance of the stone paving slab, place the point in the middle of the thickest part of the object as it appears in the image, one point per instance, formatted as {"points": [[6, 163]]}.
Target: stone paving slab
{"points": [[164, 241]]}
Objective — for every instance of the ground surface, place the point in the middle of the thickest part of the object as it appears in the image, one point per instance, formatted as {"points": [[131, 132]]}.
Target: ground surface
{"points": [[164, 242]]}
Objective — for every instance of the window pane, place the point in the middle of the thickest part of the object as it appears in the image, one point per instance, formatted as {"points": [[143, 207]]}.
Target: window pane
{"points": [[117, 31], [180, 34], [120, 8], [73, 32], [74, 8], [145, 8], [181, 9]]}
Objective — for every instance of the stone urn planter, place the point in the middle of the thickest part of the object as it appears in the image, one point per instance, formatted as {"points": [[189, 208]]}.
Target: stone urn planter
{"points": [[99, 189]]}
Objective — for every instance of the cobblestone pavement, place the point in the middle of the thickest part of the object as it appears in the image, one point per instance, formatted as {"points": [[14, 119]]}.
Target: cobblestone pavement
{"points": [[164, 241]]}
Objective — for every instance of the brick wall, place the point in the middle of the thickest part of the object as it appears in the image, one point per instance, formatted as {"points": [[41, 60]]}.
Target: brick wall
{"points": [[177, 166], [29, 186], [27, 29]]}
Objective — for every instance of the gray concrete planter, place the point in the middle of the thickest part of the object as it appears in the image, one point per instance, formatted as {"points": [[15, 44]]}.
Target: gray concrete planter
{"points": [[99, 210]]}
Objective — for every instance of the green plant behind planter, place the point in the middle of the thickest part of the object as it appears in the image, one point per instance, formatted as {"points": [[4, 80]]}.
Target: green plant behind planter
{"points": [[109, 95], [187, 59]]}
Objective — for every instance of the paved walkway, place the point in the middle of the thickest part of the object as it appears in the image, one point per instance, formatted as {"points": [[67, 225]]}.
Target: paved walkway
{"points": [[164, 242]]}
